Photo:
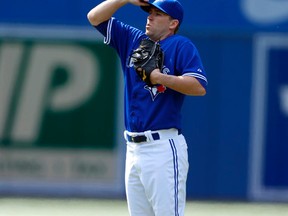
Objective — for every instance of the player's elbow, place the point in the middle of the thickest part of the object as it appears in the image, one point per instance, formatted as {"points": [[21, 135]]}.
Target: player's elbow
{"points": [[196, 88], [200, 91], [93, 18]]}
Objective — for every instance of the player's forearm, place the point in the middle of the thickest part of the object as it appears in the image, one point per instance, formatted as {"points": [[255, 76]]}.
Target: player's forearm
{"points": [[184, 84], [104, 11]]}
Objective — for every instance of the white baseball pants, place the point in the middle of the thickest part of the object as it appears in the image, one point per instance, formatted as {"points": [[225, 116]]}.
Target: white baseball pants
{"points": [[155, 175]]}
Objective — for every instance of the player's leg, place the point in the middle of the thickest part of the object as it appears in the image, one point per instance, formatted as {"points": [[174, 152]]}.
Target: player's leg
{"points": [[138, 204], [165, 176]]}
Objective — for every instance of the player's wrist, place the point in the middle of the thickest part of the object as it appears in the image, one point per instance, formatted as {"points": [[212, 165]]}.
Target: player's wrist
{"points": [[155, 76]]}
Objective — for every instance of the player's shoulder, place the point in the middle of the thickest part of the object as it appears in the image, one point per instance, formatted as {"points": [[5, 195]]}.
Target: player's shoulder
{"points": [[179, 37], [179, 41]]}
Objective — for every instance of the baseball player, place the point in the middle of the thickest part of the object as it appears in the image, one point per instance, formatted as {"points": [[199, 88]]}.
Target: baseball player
{"points": [[160, 67]]}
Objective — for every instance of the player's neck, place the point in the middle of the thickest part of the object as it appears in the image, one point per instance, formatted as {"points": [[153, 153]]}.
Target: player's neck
{"points": [[162, 37]]}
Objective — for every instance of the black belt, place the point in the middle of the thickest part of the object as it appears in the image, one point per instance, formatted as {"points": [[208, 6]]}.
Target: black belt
{"points": [[142, 138]]}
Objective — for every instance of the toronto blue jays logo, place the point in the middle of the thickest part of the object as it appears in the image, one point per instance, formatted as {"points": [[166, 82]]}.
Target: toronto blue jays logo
{"points": [[155, 90]]}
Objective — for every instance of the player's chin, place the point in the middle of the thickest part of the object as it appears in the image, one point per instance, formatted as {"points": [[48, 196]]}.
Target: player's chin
{"points": [[148, 33], [148, 30]]}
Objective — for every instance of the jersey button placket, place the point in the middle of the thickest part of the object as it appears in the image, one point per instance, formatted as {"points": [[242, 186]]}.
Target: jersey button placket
{"points": [[133, 108]]}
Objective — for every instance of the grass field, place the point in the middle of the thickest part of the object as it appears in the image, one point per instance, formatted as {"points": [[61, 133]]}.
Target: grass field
{"points": [[96, 207]]}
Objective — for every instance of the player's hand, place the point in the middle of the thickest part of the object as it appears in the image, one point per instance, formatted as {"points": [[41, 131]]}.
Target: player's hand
{"points": [[139, 2]]}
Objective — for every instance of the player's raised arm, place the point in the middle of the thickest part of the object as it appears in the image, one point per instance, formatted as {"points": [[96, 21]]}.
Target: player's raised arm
{"points": [[106, 9]]}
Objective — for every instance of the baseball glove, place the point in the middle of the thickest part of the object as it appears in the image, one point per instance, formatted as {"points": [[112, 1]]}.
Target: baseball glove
{"points": [[147, 57]]}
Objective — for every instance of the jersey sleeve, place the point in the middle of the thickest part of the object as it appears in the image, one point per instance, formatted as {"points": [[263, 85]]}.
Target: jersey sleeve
{"points": [[119, 35], [190, 64]]}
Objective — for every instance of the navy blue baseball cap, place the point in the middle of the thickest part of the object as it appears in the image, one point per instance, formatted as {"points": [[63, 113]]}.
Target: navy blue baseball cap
{"points": [[171, 7]]}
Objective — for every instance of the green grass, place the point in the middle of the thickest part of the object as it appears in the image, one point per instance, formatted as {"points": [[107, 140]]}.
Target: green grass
{"points": [[96, 207]]}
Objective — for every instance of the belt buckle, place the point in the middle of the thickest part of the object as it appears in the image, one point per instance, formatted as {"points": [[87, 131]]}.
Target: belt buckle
{"points": [[138, 138], [133, 138]]}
